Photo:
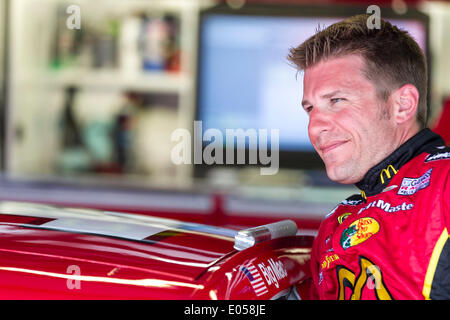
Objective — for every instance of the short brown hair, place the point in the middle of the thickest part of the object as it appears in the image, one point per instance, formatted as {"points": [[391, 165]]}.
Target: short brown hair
{"points": [[391, 55]]}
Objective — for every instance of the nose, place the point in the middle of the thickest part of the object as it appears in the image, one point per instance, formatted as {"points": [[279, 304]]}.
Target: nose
{"points": [[319, 122]]}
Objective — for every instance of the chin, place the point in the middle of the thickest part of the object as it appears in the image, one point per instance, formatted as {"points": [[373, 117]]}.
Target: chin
{"points": [[340, 174]]}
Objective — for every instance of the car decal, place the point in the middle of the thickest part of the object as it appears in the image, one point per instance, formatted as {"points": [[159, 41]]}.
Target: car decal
{"points": [[253, 275]]}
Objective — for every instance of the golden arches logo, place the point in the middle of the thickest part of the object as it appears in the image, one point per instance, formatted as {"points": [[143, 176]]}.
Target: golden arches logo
{"points": [[387, 172]]}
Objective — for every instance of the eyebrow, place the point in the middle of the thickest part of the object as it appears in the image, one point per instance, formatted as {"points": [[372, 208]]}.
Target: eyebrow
{"points": [[325, 96]]}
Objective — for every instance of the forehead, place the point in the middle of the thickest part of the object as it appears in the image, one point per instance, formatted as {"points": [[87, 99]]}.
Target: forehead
{"points": [[341, 73]]}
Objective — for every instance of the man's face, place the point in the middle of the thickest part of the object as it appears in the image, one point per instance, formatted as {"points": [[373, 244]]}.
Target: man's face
{"points": [[349, 125]]}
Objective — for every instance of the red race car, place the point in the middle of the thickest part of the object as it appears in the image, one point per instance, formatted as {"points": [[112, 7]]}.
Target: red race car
{"points": [[49, 252]]}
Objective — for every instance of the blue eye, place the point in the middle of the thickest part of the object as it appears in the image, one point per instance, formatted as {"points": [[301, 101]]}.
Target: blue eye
{"points": [[335, 100]]}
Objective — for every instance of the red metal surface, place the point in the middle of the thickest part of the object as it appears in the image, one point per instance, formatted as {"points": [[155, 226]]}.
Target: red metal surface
{"points": [[41, 264], [229, 281], [38, 262]]}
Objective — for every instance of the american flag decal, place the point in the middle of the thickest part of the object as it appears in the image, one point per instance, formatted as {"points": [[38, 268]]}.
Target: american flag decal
{"points": [[255, 279]]}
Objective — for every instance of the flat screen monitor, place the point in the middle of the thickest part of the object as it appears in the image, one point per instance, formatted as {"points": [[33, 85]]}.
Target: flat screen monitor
{"points": [[245, 81]]}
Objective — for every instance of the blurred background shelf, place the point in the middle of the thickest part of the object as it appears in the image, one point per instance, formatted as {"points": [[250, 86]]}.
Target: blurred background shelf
{"points": [[128, 72], [152, 82]]}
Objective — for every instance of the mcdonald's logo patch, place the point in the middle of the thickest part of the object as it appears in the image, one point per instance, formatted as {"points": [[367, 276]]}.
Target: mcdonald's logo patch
{"points": [[387, 173]]}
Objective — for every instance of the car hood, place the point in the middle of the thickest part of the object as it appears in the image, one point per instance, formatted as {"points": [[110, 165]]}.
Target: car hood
{"points": [[135, 244]]}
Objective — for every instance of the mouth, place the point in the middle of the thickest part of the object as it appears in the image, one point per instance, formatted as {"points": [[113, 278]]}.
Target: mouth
{"points": [[331, 146]]}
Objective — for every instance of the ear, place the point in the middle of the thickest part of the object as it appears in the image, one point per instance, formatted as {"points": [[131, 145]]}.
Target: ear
{"points": [[405, 101]]}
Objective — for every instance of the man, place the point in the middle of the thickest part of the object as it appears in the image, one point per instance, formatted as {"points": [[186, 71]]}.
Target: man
{"points": [[365, 93]]}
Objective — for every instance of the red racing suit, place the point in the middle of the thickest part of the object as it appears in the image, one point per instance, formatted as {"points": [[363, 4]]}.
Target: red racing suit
{"points": [[390, 242]]}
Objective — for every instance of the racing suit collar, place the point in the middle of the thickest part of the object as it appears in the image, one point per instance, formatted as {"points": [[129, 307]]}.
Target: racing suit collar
{"points": [[379, 176]]}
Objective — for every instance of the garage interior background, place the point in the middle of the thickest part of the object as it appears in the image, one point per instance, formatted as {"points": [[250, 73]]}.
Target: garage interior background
{"points": [[88, 114]]}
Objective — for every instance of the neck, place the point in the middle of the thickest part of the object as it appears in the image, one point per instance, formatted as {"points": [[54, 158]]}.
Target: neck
{"points": [[403, 134]]}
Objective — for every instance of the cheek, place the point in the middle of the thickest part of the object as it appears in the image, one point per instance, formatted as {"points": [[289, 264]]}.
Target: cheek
{"points": [[356, 122]]}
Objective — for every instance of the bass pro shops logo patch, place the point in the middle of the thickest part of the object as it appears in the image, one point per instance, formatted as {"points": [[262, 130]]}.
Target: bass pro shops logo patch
{"points": [[358, 232], [410, 186]]}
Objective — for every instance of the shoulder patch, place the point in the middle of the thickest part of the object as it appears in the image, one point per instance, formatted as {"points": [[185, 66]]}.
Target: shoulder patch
{"points": [[442, 153]]}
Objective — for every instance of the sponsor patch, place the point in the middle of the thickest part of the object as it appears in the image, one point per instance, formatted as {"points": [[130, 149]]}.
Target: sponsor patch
{"points": [[387, 173], [328, 259], [438, 156], [410, 186], [343, 216], [387, 207], [358, 232], [351, 202]]}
